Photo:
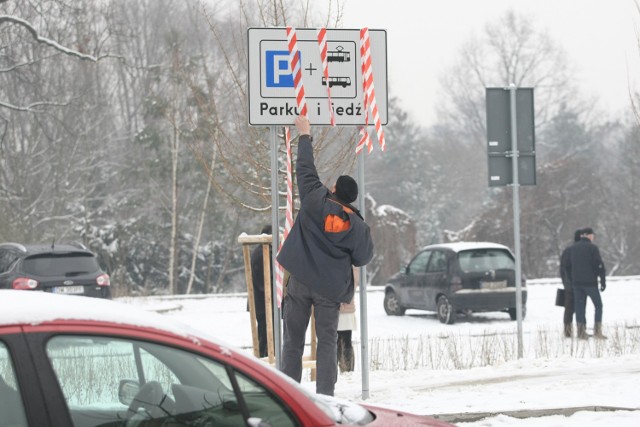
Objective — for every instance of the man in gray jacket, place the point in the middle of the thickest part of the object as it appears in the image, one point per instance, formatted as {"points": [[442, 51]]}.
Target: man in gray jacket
{"points": [[327, 238]]}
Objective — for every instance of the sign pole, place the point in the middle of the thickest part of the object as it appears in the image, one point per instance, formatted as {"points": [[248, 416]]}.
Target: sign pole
{"points": [[516, 212], [364, 331], [275, 243]]}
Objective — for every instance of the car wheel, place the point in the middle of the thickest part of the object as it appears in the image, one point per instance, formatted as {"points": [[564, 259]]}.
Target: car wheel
{"points": [[446, 313], [391, 304], [514, 315]]}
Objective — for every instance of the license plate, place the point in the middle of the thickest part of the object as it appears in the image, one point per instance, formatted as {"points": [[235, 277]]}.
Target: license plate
{"points": [[73, 290], [494, 285]]}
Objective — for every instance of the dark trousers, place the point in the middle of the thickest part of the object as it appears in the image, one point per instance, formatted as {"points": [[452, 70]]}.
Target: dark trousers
{"points": [[262, 333], [580, 293], [568, 305], [296, 316]]}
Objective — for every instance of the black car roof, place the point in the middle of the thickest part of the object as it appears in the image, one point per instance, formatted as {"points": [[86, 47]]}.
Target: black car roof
{"points": [[32, 249]]}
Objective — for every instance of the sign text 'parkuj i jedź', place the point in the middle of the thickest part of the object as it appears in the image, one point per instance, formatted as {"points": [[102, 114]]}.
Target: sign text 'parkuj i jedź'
{"points": [[272, 97]]}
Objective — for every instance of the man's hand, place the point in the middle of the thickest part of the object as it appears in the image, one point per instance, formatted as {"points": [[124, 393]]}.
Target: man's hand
{"points": [[303, 125], [603, 286]]}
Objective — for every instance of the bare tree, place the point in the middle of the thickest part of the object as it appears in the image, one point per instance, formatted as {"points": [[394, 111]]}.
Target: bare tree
{"points": [[54, 46], [47, 134], [571, 186], [510, 50]]}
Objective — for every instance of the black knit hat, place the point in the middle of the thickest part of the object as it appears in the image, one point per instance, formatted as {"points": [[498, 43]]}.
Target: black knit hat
{"points": [[587, 231], [346, 189]]}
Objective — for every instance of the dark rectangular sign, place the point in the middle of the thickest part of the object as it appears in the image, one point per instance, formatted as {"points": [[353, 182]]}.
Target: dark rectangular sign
{"points": [[499, 136]]}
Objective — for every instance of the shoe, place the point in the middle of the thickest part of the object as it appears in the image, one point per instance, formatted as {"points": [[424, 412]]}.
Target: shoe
{"points": [[582, 331], [568, 330], [597, 332]]}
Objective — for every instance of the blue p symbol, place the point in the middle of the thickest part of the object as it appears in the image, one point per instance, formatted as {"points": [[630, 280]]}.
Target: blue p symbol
{"points": [[277, 67]]}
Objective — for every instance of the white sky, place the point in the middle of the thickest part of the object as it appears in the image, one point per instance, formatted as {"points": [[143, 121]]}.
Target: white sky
{"points": [[569, 374], [424, 37]]}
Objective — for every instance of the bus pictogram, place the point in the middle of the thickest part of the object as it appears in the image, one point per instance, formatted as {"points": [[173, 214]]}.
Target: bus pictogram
{"points": [[337, 81]]}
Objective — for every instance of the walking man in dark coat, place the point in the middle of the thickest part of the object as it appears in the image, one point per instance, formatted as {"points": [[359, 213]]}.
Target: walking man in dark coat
{"points": [[566, 283], [327, 238], [585, 266]]}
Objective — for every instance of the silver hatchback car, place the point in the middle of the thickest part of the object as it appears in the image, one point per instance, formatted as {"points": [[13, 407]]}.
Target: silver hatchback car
{"points": [[454, 278]]}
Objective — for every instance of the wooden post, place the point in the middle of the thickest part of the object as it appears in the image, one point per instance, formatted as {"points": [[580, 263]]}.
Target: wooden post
{"points": [[252, 307], [265, 240]]}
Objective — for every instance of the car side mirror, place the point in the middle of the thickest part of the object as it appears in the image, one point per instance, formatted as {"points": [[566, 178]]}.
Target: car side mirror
{"points": [[405, 269], [127, 390], [230, 404]]}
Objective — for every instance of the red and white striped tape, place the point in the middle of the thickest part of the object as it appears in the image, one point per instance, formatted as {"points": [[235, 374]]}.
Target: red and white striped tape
{"points": [[365, 140], [288, 223], [296, 69], [322, 44], [369, 94]]}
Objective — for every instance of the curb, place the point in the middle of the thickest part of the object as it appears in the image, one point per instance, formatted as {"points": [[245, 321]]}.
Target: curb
{"points": [[530, 413]]}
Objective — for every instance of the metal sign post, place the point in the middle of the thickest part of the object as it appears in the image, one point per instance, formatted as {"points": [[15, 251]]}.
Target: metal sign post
{"points": [[275, 243], [516, 214], [511, 155], [364, 326]]}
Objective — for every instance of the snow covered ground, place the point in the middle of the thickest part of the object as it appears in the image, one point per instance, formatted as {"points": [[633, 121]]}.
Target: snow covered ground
{"points": [[419, 365]]}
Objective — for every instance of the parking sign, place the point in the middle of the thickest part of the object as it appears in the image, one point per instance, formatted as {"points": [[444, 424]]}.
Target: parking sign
{"points": [[271, 92]]}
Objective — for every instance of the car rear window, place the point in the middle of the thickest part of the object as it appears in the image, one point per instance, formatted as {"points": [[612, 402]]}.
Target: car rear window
{"points": [[67, 265], [478, 260]]}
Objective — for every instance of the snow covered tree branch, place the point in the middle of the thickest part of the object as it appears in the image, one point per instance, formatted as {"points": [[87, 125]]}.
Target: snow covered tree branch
{"points": [[32, 107], [44, 40]]}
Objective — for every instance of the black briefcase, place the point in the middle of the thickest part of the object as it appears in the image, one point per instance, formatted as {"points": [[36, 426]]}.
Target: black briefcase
{"points": [[560, 297]]}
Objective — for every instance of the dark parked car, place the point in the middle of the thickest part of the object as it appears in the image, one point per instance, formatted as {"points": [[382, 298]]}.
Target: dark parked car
{"points": [[56, 268], [452, 278], [97, 363]]}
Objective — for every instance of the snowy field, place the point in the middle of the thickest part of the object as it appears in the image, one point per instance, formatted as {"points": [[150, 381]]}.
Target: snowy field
{"points": [[419, 365]]}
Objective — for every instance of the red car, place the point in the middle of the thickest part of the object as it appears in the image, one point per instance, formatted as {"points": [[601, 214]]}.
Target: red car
{"points": [[84, 362]]}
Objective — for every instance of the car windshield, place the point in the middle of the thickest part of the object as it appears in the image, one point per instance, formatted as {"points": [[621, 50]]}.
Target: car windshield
{"points": [[480, 260], [60, 265]]}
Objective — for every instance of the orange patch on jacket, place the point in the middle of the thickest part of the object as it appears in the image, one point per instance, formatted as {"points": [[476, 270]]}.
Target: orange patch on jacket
{"points": [[335, 224]]}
